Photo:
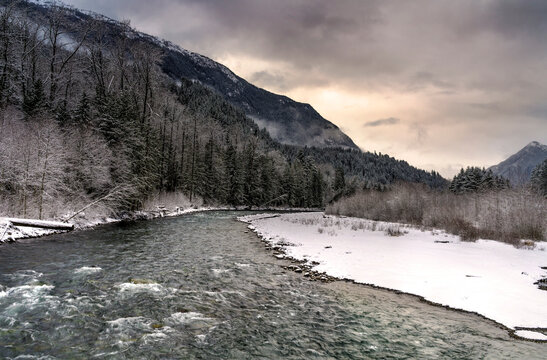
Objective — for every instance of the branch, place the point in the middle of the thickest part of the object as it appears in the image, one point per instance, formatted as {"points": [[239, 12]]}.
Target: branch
{"points": [[94, 203]]}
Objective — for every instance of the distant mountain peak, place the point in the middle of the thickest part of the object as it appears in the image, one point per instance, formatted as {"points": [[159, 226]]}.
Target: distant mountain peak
{"points": [[518, 167]]}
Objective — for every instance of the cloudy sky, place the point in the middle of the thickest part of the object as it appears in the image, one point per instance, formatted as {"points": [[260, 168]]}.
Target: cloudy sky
{"points": [[441, 84]]}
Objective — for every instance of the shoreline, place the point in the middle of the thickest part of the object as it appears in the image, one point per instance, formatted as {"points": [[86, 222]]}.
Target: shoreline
{"points": [[304, 266], [308, 268], [25, 233]]}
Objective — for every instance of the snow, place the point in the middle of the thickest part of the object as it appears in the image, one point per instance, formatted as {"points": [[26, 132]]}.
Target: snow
{"points": [[8, 231], [530, 335], [491, 278]]}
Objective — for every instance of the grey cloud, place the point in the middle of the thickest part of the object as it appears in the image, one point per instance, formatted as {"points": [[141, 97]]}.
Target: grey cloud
{"points": [[367, 43], [472, 62], [380, 122], [519, 18], [281, 83], [423, 79]]}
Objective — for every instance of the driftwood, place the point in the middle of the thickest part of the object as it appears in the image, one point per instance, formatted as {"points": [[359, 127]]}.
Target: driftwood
{"points": [[56, 225], [8, 224]]}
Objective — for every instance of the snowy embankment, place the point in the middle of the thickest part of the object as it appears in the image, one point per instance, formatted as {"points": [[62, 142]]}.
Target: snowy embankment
{"points": [[490, 278]]}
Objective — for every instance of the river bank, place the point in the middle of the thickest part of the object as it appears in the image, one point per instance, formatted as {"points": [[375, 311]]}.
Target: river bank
{"points": [[492, 279], [11, 233], [202, 286]]}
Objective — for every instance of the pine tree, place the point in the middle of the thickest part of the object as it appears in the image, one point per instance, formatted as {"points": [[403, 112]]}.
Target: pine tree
{"points": [[538, 179], [289, 186], [82, 115], [474, 179], [35, 100], [251, 188], [211, 178], [339, 179], [235, 193]]}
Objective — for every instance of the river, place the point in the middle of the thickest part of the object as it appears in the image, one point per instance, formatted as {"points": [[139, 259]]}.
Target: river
{"points": [[203, 287]]}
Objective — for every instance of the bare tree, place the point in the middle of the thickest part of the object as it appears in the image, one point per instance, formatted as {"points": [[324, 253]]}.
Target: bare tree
{"points": [[63, 48], [29, 42], [52, 162], [7, 34], [88, 157]]}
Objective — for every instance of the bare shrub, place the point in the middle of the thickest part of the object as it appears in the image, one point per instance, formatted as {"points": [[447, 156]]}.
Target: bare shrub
{"points": [[393, 230], [507, 215]]}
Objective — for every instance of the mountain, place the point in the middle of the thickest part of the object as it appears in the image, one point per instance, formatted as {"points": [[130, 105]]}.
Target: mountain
{"points": [[92, 110], [286, 120], [518, 167]]}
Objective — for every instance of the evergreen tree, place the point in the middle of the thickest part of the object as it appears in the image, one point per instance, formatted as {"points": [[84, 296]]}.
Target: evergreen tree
{"points": [[538, 179], [235, 194], [35, 101], [339, 179], [289, 186], [474, 179], [82, 115]]}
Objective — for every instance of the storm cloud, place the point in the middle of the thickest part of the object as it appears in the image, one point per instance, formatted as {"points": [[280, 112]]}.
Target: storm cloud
{"points": [[470, 72]]}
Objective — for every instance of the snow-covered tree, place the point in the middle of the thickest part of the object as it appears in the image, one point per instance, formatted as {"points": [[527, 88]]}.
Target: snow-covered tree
{"points": [[538, 179]]}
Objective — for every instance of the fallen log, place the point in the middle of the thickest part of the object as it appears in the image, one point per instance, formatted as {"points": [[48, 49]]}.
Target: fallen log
{"points": [[56, 225], [8, 224]]}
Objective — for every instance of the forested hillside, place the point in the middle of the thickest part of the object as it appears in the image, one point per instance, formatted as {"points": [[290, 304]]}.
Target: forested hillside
{"points": [[87, 113]]}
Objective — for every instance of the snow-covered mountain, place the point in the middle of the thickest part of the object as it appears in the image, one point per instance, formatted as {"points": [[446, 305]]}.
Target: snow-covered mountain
{"points": [[518, 167], [287, 121]]}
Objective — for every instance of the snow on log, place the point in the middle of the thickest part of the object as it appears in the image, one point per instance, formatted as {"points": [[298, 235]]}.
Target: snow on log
{"points": [[56, 225]]}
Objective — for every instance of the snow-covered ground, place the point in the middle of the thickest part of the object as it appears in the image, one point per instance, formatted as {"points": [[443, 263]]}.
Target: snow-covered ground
{"points": [[491, 278], [9, 232]]}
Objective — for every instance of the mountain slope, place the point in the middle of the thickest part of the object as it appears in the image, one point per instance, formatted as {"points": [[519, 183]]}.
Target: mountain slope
{"points": [[518, 167], [287, 121]]}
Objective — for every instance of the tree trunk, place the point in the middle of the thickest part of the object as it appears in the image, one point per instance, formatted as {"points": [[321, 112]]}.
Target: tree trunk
{"points": [[193, 160], [43, 180], [41, 224]]}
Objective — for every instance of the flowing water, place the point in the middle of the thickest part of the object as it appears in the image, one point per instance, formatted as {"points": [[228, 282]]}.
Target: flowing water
{"points": [[203, 287]]}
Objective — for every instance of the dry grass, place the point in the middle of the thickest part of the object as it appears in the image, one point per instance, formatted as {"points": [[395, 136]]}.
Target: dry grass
{"points": [[508, 215]]}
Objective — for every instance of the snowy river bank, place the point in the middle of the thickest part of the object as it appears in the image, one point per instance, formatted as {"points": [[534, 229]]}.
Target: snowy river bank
{"points": [[202, 286], [11, 233], [490, 278]]}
